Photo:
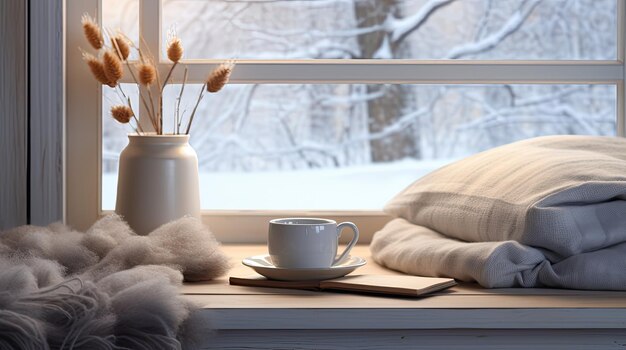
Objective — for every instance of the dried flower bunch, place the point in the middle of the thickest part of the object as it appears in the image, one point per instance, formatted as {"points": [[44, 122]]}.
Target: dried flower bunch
{"points": [[107, 67]]}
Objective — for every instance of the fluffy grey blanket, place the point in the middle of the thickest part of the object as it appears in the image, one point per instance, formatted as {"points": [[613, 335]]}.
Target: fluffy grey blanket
{"points": [[107, 288]]}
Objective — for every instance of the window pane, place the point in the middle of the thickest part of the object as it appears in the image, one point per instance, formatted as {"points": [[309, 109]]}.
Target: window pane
{"points": [[114, 138], [420, 29], [295, 146], [122, 16]]}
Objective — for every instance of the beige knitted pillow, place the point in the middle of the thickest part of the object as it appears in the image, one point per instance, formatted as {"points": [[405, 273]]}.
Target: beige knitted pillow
{"points": [[562, 193]]}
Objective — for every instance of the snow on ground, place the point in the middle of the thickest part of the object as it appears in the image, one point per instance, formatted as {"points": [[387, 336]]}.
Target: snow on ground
{"points": [[366, 187]]}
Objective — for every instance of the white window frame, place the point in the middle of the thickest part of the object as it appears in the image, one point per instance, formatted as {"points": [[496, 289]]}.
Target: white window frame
{"points": [[83, 134]]}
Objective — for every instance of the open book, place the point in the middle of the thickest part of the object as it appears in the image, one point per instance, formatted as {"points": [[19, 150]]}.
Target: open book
{"points": [[379, 284]]}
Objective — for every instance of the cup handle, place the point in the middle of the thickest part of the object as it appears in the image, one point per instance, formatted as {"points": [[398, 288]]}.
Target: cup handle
{"points": [[355, 230]]}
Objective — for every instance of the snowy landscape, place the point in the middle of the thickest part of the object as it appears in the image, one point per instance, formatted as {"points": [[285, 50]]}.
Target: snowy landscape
{"points": [[290, 146]]}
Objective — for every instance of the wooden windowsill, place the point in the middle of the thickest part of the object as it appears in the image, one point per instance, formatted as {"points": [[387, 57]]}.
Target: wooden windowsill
{"points": [[466, 306]]}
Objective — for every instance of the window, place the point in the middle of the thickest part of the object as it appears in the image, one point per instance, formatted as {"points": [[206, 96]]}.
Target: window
{"points": [[354, 98], [409, 29]]}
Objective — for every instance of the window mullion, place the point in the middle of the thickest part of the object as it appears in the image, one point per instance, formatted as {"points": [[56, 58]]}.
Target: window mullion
{"points": [[621, 27], [83, 127], [418, 72], [150, 44], [621, 56]]}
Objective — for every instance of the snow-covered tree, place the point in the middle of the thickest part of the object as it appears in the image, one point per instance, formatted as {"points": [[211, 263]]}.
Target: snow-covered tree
{"points": [[274, 127]]}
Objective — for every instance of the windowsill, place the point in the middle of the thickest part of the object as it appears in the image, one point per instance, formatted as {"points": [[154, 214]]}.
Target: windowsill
{"points": [[466, 306], [250, 227]]}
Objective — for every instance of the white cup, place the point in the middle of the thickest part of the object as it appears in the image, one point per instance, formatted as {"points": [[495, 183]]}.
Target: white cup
{"points": [[307, 243]]}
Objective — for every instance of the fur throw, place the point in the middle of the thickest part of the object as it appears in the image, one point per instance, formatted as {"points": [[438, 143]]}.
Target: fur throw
{"points": [[107, 288]]}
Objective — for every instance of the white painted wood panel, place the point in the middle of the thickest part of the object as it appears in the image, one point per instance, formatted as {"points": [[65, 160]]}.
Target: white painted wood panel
{"points": [[83, 123], [13, 113], [46, 111], [251, 227], [621, 56], [406, 72], [418, 339], [439, 316], [344, 301]]}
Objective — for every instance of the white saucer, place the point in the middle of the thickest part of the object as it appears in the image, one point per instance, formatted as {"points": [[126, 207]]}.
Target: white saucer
{"points": [[262, 264]]}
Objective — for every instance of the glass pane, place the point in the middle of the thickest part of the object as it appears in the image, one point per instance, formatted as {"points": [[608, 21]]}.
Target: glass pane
{"points": [[114, 137], [263, 147], [419, 29], [122, 16]]}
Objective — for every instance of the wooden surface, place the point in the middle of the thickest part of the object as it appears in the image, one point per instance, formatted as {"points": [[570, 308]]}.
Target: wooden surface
{"points": [[462, 317], [46, 111], [13, 113], [463, 306]]}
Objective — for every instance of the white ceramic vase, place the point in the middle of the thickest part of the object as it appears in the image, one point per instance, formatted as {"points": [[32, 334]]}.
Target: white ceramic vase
{"points": [[157, 181]]}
